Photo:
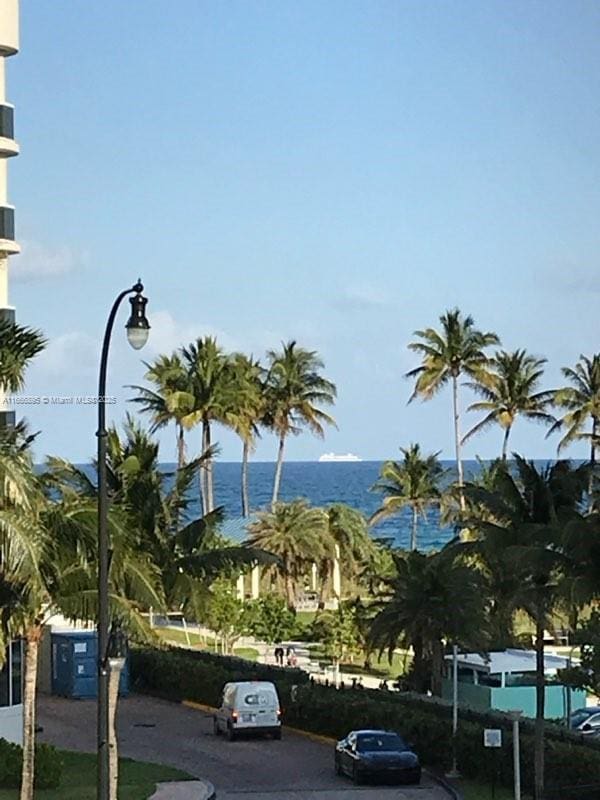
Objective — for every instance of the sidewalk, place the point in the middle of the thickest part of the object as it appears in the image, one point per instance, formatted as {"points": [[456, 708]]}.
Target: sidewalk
{"points": [[184, 790]]}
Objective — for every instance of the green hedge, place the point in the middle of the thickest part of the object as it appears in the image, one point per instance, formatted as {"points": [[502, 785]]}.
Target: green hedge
{"points": [[178, 674], [48, 766], [426, 723]]}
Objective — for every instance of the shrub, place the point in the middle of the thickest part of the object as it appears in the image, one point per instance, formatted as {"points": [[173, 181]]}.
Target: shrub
{"points": [[48, 766], [425, 722]]}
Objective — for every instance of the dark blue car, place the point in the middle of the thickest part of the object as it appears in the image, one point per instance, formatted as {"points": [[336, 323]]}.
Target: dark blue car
{"points": [[376, 754]]}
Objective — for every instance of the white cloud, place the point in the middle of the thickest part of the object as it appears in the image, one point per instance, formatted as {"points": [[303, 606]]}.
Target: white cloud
{"points": [[69, 354], [168, 334], [363, 296], [37, 261]]}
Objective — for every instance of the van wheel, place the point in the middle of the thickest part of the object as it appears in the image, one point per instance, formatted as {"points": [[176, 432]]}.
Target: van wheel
{"points": [[230, 734], [216, 729], [277, 735]]}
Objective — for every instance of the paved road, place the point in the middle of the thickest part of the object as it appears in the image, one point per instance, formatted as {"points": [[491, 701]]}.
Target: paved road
{"points": [[295, 768]]}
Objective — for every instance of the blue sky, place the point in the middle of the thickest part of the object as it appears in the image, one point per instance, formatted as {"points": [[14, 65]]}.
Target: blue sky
{"points": [[339, 173]]}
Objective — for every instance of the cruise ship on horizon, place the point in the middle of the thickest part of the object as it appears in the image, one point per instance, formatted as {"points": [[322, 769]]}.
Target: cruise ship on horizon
{"points": [[336, 457]]}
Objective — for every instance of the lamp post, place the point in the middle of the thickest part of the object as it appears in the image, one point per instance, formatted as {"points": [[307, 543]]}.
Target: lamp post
{"points": [[454, 773], [516, 715], [137, 334]]}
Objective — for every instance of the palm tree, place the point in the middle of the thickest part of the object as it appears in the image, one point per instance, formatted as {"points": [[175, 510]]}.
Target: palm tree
{"points": [[522, 523], [581, 405], [432, 598], [188, 551], [509, 388], [170, 401], [296, 534], [412, 483], [211, 383], [294, 390], [18, 345], [458, 349], [246, 412], [353, 548]]}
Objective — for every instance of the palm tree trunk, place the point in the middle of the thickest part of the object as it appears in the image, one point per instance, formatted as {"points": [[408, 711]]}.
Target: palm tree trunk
{"points": [[210, 499], [180, 446], [413, 535], [592, 464], [459, 466], [114, 676], [278, 467], [245, 503], [437, 665], [505, 442], [540, 700], [289, 585], [203, 467], [32, 640]]}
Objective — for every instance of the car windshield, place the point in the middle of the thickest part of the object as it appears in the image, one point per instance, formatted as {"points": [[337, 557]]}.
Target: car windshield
{"points": [[577, 717], [379, 742]]}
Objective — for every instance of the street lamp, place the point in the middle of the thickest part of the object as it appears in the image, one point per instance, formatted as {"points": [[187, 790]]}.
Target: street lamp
{"points": [[137, 334]]}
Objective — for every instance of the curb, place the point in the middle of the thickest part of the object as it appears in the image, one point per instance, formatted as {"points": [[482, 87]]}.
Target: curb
{"points": [[451, 790]]}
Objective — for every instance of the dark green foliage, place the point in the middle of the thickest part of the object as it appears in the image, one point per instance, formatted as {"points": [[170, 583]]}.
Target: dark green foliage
{"points": [[177, 674], [48, 766], [425, 722]]}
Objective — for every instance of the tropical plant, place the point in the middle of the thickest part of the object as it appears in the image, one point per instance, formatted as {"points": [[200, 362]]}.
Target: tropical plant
{"points": [[294, 390], [458, 349], [246, 412], [170, 400], [272, 620], [412, 483], [337, 632], [580, 403], [18, 346], [432, 598], [509, 388], [211, 383], [522, 524], [349, 552], [297, 535]]}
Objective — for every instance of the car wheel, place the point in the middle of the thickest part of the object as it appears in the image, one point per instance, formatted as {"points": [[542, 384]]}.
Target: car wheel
{"points": [[356, 776], [216, 729], [230, 734], [338, 767]]}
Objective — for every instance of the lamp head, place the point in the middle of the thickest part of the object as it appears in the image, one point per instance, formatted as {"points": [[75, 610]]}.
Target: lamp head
{"points": [[138, 326]]}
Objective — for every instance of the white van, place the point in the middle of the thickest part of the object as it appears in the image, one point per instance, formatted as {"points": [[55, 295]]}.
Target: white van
{"points": [[248, 707]]}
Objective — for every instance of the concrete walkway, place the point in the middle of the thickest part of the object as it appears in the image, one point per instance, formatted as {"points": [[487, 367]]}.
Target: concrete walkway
{"points": [[184, 790]]}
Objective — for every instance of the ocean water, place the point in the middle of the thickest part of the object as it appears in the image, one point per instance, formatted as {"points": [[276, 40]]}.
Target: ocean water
{"points": [[326, 483]]}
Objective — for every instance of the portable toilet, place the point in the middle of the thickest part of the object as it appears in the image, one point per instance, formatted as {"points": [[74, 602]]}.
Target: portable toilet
{"points": [[75, 665]]}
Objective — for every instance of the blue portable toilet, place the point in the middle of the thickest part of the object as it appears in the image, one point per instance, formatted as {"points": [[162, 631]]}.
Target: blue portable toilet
{"points": [[74, 665]]}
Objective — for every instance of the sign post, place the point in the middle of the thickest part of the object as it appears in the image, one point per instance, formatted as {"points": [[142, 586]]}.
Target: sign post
{"points": [[492, 737]]}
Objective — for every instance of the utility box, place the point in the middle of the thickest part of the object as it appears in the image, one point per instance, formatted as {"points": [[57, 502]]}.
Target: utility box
{"points": [[75, 665]]}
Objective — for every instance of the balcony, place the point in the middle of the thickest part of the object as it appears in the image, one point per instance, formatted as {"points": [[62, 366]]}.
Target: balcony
{"points": [[8, 146]]}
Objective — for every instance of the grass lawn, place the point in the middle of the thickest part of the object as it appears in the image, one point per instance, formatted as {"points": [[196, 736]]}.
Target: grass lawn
{"points": [[472, 790], [179, 637], [380, 665], [137, 780]]}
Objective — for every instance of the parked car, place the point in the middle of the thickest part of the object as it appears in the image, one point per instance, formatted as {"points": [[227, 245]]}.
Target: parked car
{"points": [[586, 720], [248, 707], [376, 754]]}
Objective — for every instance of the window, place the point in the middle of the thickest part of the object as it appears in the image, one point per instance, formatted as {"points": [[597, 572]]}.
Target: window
{"points": [[17, 672], [11, 674], [4, 682], [380, 742]]}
